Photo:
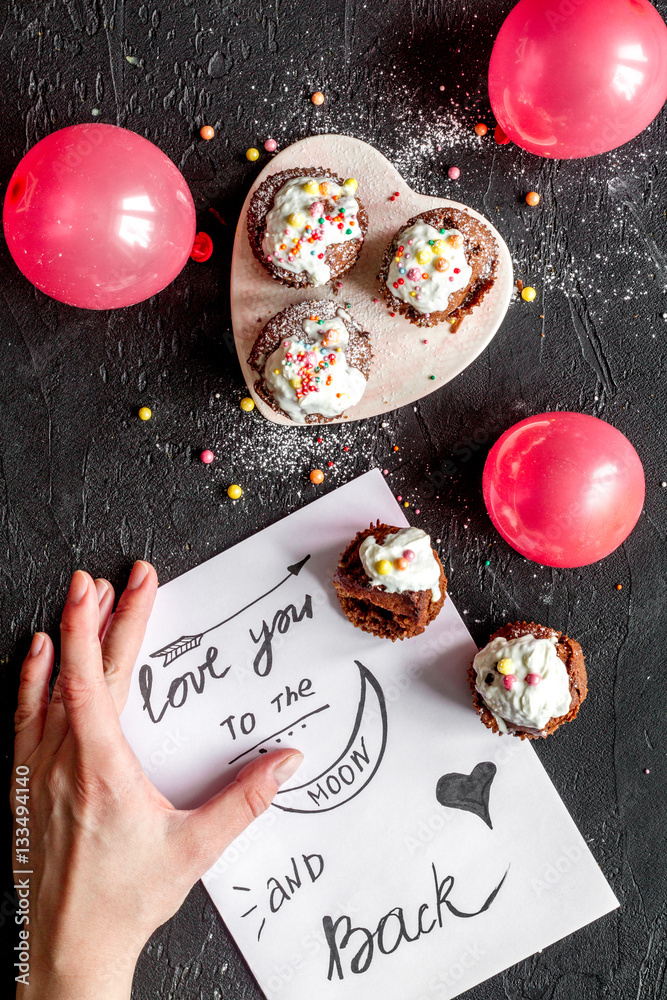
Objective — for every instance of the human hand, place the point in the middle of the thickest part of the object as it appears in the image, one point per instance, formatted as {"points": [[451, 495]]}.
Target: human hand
{"points": [[110, 856]]}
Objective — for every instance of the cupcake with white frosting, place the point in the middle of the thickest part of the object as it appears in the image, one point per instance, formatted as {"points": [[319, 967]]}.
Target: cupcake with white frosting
{"points": [[439, 267], [528, 680], [390, 581], [313, 362], [306, 226]]}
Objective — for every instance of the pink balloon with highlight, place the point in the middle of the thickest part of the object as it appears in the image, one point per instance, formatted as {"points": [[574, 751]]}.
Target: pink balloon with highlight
{"points": [[574, 78], [564, 489], [97, 216]]}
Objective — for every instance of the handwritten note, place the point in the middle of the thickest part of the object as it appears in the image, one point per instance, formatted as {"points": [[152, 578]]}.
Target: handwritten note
{"points": [[410, 834]]}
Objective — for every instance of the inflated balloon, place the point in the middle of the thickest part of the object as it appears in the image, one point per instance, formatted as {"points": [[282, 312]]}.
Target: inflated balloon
{"points": [[578, 77], [564, 489], [97, 216]]}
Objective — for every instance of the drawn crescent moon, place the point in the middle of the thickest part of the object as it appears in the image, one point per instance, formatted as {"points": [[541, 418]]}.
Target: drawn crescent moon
{"points": [[352, 771]]}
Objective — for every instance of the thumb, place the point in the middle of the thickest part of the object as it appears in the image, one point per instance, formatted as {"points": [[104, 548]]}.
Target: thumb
{"points": [[209, 830]]}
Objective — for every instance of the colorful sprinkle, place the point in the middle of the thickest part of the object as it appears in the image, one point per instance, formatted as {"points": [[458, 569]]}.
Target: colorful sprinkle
{"points": [[317, 98], [252, 154], [247, 404], [351, 183], [532, 198], [481, 129], [383, 567], [408, 554], [432, 378], [453, 173], [533, 679], [207, 456], [145, 413], [270, 145], [505, 666], [401, 564], [619, 586], [310, 187], [317, 476], [508, 681], [528, 294], [207, 132], [234, 491]]}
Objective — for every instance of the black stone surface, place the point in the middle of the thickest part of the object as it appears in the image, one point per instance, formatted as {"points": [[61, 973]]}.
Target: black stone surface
{"points": [[83, 483]]}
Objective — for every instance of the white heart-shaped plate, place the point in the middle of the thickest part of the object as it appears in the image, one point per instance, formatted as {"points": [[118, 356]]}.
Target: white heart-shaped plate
{"points": [[402, 363]]}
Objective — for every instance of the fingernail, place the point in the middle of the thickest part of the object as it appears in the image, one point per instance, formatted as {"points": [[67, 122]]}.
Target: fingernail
{"points": [[138, 575], [101, 586], [37, 643], [287, 767], [77, 588]]}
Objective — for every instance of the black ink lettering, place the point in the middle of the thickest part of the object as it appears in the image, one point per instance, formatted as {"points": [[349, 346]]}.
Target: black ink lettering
{"points": [[179, 685], [263, 662], [295, 883], [276, 890], [307, 858]]}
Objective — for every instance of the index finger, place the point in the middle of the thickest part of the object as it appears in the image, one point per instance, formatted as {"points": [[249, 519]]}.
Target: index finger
{"points": [[88, 705]]}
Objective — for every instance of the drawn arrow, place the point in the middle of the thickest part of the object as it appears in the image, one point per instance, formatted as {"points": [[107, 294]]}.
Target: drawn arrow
{"points": [[185, 643]]}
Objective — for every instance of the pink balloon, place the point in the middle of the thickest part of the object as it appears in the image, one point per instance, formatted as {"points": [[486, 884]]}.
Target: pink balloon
{"points": [[97, 216], [571, 78], [564, 489]]}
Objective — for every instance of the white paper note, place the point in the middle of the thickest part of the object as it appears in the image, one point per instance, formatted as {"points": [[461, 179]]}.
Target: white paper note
{"points": [[411, 834]]}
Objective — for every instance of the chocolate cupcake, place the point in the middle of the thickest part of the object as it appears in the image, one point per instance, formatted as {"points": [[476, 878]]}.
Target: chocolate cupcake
{"points": [[306, 227], [528, 680], [439, 267], [313, 362], [390, 581]]}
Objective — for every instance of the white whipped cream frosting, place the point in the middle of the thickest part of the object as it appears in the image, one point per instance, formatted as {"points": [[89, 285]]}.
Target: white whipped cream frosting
{"points": [[299, 228], [427, 267], [524, 704], [313, 376], [422, 572]]}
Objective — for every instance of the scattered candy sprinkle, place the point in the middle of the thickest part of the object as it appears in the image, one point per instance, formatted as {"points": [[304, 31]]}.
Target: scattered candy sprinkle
{"points": [[481, 129], [317, 98], [207, 456], [505, 666], [330, 464], [383, 567], [528, 294], [346, 448], [317, 476], [619, 586], [533, 679], [508, 681], [646, 771], [453, 173], [234, 491], [207, 131], [432, 378], [408, 554], [399, 499], [406, 503], [247, 404], [145, 413], [500, 136], [202, 248], [252, 154], [488, 562], [533, 198], [270, 145], [385, 472]]}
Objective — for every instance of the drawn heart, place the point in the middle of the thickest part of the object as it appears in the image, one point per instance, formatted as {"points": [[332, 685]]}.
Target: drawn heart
{"points": [[402, 364], [468, 791]]}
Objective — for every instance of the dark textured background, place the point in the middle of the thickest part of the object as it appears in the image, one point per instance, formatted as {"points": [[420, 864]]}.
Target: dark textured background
{"points": [[84, 483]]}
